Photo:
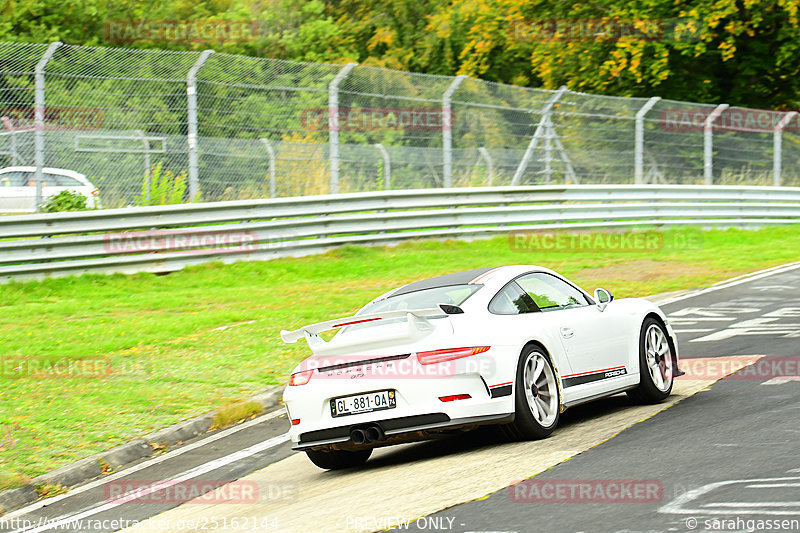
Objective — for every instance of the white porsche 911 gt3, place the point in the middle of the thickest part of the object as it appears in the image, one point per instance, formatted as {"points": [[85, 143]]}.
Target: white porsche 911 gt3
{"points": [[513, 346]]}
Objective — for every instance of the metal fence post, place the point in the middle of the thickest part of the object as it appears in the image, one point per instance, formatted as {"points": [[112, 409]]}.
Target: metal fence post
{"points": [[387, 166], [447, 131], [333, 124], [489, 165], [548, 147], [13, 148], [191, 115], [708, 134], [12, 140], [777, 147], [38, 110], [540, 129], [146, 146], [271, 154], [638, 149]]}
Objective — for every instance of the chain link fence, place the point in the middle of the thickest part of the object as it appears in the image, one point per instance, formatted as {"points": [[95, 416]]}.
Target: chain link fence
{"points": [[147, 127]]}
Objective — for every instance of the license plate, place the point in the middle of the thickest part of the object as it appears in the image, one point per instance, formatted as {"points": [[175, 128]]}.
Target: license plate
{"points": [[363, 403]]}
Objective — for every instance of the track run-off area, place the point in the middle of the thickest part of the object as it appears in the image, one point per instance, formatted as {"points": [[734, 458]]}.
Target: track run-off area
{"points": [[719, 452]]}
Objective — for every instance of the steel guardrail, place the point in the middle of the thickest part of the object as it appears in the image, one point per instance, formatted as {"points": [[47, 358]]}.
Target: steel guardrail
{"points": [[167, 238]]}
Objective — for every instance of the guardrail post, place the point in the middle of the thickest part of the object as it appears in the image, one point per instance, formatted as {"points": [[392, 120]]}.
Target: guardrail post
{"points": [[447, 131], [38, 112], [777, 147], [271, 154], [333, 124], [537, 134], [489, 165], [708, 134], [191, 113], [638, 149], [387, 166]]}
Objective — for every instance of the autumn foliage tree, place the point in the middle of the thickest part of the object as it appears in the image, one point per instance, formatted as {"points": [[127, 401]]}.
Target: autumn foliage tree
{"points": [[744, 52]]}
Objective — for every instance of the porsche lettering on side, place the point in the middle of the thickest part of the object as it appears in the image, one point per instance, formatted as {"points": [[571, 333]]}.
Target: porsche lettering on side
{"points": [[513, 346]]}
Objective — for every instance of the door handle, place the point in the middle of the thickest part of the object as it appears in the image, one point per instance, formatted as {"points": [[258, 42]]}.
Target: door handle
{"points": [[567, 333]]}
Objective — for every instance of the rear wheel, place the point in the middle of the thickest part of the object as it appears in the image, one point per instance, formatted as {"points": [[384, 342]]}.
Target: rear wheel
{"points": [[536, 398], [655, 364], [338, 459]]}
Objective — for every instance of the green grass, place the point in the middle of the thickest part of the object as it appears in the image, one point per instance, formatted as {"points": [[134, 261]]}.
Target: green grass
{"points": [[158, 351]]}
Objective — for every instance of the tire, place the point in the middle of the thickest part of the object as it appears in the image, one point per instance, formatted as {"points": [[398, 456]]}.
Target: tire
{"points": [[655, 364], [338, 459], [537, 402]]}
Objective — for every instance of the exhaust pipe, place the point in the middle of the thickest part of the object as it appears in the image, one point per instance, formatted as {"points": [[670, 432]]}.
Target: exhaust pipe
{"points": [[358, 436], [373, 434]]}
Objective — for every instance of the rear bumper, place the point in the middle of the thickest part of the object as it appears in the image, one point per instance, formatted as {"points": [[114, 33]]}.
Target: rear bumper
{"points": [[396, 430]]}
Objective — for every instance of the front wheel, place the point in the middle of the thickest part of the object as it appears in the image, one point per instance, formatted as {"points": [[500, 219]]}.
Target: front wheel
{"points": [[655, 364], [338, 459], [536, 398]]}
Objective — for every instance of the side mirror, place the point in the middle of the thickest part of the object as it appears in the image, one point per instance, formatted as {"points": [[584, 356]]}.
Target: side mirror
{"points": [[603, 297]]}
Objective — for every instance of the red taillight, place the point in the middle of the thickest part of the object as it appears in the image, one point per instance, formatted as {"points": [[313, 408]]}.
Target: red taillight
{"points": [[295, 421], [438, 356], [96, 192], [300, 378], [455, 397]]}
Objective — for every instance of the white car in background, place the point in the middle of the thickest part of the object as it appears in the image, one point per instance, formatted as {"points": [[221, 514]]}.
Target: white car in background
{"points": [[18, 187], [512, 346]]}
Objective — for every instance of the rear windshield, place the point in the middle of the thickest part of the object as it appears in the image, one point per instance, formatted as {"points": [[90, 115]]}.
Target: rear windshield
{"points": [[423, 299]]}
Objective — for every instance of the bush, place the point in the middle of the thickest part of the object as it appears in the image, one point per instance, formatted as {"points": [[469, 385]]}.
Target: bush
{"points": [[165, 187], [65, 201]]}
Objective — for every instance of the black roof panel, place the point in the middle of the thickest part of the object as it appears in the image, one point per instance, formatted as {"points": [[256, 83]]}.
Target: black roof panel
{"points": [[457, 278]]}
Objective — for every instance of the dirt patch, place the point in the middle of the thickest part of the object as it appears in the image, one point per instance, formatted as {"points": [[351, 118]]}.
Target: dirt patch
{"points": [[642, 270]]}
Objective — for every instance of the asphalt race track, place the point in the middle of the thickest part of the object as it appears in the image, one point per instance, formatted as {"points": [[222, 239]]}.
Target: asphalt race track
{"points": [[719, 455]]}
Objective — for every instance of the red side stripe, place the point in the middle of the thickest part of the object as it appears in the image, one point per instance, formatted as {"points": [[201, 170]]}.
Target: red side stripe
{"points": [[501, 384]]}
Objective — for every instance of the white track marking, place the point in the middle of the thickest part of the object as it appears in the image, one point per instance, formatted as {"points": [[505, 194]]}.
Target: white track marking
{"points": [[780, 380], [736, 281], [680, 504], [62, 521], [753, 505], [141, 466]]}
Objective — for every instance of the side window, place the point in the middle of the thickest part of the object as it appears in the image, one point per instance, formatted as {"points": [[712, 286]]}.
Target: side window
{"points": [[512, 300], [550, 293], [12, 179], [63, 181]]}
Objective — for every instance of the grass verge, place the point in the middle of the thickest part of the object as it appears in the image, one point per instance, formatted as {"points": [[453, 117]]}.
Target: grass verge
{"points": [[88, 363]]}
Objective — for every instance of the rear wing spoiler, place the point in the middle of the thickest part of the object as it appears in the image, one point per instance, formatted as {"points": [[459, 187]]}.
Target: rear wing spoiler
{"points": [[312, 331]]}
